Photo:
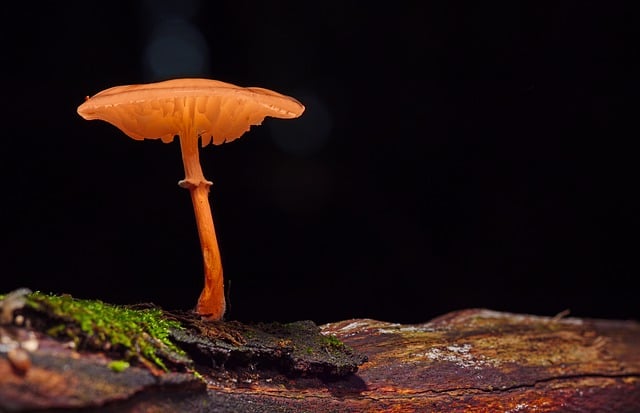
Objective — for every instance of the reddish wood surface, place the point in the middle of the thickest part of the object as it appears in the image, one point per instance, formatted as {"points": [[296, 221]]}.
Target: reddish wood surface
{"points": [[467, 361]]}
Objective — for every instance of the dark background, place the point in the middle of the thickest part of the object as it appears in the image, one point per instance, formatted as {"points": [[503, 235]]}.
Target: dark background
{"points": [[451, 156]]}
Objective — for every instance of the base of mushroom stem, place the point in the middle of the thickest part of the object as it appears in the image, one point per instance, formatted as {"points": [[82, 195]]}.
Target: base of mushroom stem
{"points": [[209, 312]]}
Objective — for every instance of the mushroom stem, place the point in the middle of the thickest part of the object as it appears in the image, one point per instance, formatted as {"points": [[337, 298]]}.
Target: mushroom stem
{"points": [[211, 303]]}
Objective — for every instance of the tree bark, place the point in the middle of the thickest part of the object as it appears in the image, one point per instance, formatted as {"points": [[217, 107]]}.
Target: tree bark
{"points": [[472, 360]]}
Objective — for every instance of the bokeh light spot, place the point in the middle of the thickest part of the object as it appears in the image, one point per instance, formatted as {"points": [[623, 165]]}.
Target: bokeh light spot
{"points": [[176, 49]]}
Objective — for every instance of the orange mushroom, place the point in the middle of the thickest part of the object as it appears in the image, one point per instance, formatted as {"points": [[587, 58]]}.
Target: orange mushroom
{"points": [[193, 109]]}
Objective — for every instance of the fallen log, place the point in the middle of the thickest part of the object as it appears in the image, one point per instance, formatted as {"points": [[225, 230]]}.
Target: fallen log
{"points": [[474, 360]]}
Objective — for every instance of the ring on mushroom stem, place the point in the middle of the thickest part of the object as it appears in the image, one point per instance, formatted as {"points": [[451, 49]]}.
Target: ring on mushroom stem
{"points": [[193, 109]]}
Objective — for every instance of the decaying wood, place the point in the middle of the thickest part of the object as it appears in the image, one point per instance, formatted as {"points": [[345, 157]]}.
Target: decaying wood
{"points": [[469, 361]]}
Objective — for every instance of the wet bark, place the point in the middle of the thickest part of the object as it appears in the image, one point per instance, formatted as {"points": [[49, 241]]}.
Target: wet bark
{"points": [[468, 361]]}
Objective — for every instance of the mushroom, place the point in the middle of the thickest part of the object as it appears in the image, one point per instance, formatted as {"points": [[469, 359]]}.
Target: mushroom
{"points": [[204, 109]]}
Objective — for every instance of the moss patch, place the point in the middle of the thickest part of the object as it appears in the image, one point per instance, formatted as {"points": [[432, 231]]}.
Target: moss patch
{"points": [[138, 334], [118, 365]]}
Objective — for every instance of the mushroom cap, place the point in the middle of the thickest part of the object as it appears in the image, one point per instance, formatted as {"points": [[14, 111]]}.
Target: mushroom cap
{"points": [[205, 108]]}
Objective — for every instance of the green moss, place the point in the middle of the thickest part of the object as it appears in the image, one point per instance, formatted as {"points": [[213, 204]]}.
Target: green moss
{"points": [[141, 334], [198, 375], [118, 365], [333, 342]]}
